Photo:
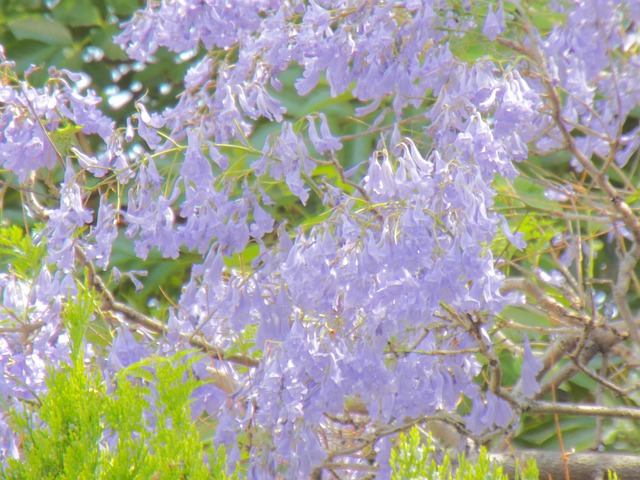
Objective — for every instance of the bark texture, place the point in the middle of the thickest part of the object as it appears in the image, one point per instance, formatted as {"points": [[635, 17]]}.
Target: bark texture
{"points": [[581, 465]]}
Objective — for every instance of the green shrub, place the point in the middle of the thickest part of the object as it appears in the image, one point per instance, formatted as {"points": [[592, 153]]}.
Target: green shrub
{"points": [[63, 435], [413, 458]]}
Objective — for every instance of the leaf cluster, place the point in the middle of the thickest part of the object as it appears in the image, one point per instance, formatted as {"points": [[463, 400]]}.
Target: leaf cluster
{"points": [[87, 428], [417, 457], [78, 35], [20, 252]]}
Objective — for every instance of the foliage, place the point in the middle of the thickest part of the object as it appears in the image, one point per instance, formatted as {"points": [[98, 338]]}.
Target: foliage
{"points": [[415, 458], [85, 427], [365, 215], [78, 35], [20, 252]]}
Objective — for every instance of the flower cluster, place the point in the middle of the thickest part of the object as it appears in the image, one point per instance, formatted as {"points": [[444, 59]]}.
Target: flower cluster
{"points": [[374, 312]]}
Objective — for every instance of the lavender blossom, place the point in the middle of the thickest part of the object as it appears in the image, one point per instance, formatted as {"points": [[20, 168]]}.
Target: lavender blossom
{"points": [[104, 234], [65, 221], [531, 365], [494, 25]]}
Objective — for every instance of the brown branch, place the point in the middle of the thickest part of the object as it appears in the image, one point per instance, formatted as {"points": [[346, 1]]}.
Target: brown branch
{"points": [[628, 263], [631, 259], [581, 465], [550, 408], [581, 346], [472, 326], [603, 382], [131, 315], [554, 309], [601, 340]]}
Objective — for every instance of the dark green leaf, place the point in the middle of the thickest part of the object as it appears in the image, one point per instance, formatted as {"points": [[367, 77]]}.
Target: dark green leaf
{"points": [[45, 30], [31, 52], [124, 8], [77, 13], [103, 38]]}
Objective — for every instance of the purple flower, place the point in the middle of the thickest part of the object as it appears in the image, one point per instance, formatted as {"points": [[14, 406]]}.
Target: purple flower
{"points": [[293, 160], [64, 222], [488, 413], [327, 142], [182, 26], [256, 102], [148, 126], [262, 222], [560, 193], [531, 365], [515, 240], [150, 216], [24, 146], [103, 235], [83, 111], [494, 24], [198, 74], [125, 351]]}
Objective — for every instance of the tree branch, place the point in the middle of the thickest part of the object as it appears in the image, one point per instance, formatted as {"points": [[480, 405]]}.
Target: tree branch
{"points": [[581, 465], [549, 408], [112, 307]]}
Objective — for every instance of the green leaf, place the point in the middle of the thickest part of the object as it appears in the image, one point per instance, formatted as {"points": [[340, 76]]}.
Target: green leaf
{"points": [[243, 259], [103, 38], [18, 251], [469, 49], [543, 17], [64, 138], [124, 8], [32, 52], [77, 13], [413, 458], [45, 30]]}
